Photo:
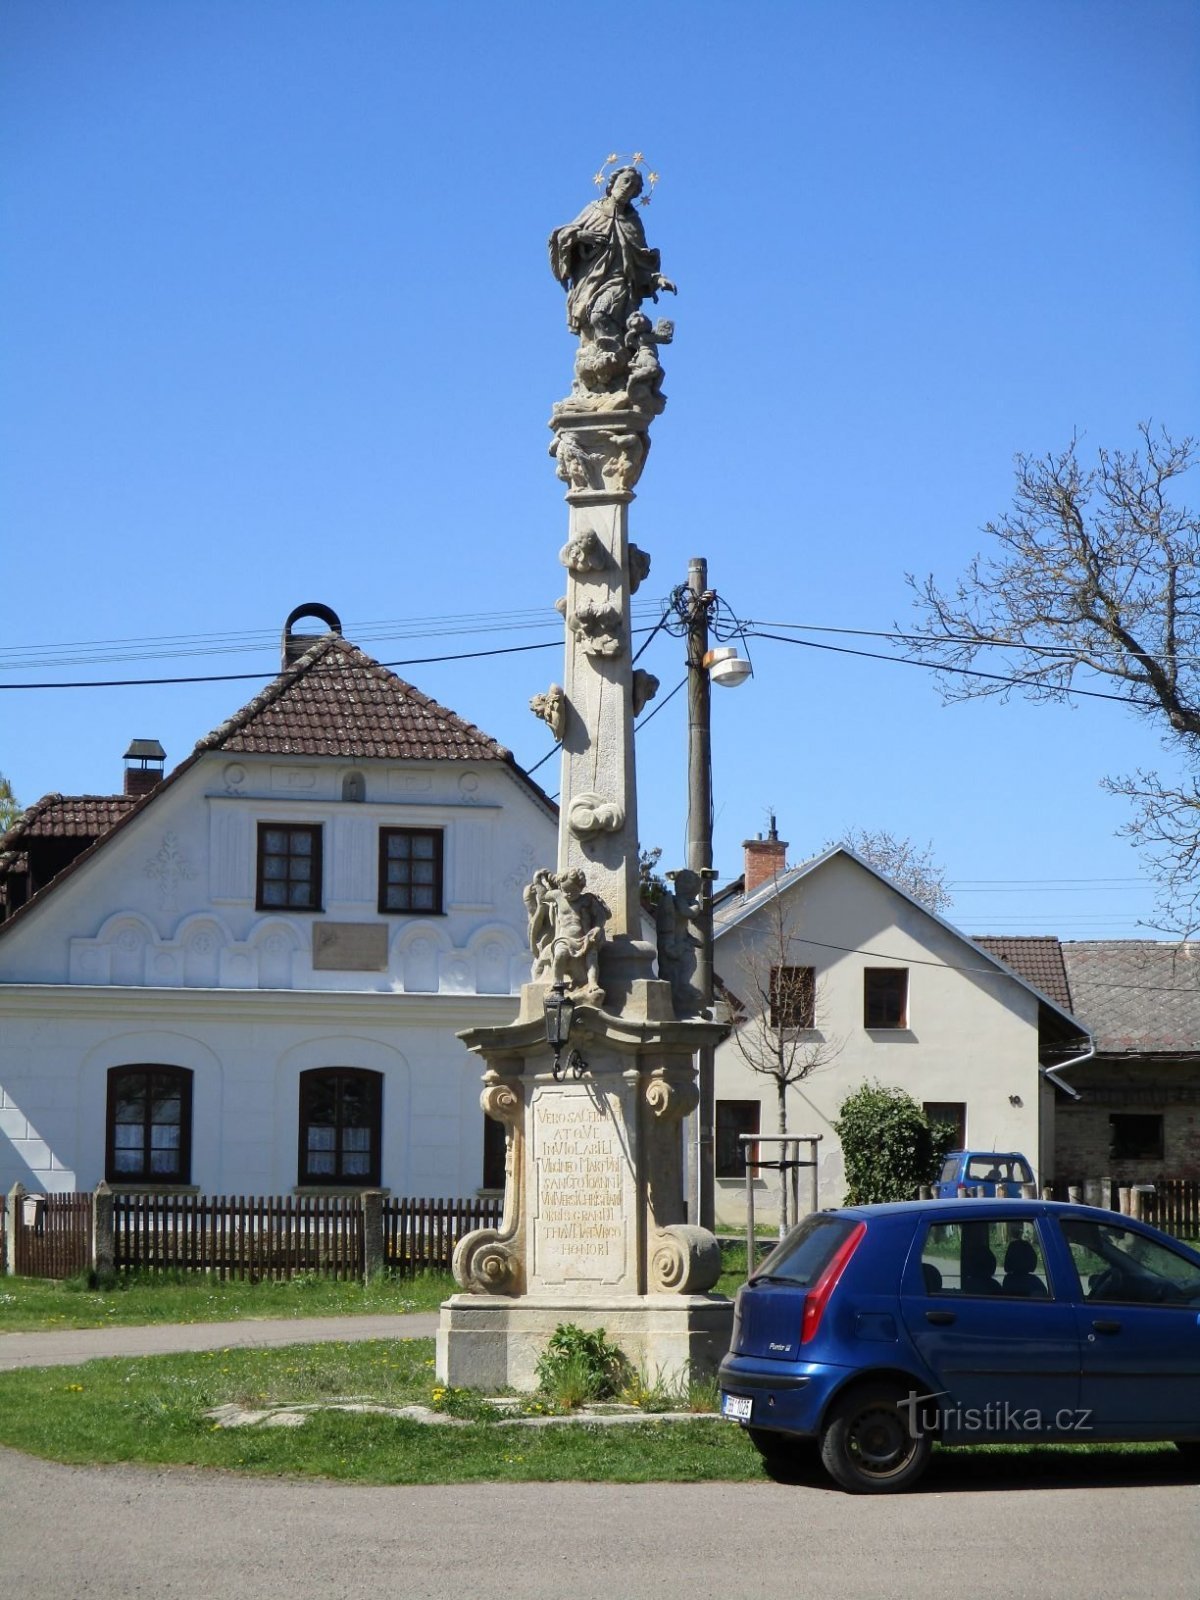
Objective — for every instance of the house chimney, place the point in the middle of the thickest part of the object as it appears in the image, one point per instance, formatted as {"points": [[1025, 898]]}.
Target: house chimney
{"points": [[148, 773], [765, 858], [294, 645]]}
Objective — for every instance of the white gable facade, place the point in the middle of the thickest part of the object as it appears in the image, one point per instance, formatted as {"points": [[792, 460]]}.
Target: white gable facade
{"points": [[252, 985], [959, 1030]]}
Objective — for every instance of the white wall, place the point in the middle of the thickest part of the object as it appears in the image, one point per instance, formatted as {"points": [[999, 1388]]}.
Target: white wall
{"points": [[972, 1033], [152, 951], [246, 1053]]}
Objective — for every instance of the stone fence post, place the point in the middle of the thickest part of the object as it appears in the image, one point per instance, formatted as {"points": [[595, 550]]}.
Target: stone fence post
{"points": [[13, 1219], [104, 1263], [373, 1258]]}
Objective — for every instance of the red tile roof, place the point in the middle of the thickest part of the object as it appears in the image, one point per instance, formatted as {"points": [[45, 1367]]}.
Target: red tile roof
{"points": [[69, 816], [338, 701], [1035, 957]]}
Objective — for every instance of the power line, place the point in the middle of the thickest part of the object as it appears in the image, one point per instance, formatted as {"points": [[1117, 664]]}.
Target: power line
{"points": [[933, 666]]}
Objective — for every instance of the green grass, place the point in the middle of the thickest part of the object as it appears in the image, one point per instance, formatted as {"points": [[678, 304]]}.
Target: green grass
{"points": [[151, 1410], [28, 1304], [33, 1304]]}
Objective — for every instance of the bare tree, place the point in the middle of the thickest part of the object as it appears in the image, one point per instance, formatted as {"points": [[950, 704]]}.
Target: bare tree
{"points": [[1094, 585], [778, 1013], [910, 866]]}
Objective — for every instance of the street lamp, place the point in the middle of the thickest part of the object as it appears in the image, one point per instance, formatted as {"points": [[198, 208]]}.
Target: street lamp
{"points": [[560, 1014]]}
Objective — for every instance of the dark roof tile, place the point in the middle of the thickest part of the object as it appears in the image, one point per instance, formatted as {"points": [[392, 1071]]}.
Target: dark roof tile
{"points": [[69, 816], [338, 701], [1137, 995], [1035, 957]]}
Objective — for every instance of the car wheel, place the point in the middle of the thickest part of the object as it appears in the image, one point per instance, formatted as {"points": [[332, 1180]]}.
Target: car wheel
{"points": [[868, 1445]]}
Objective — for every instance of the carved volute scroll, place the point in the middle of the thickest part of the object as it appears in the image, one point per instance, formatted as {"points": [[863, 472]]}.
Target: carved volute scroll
{"points": [[645, 687], [683, 1260], [488, 1260], [590, 814]]}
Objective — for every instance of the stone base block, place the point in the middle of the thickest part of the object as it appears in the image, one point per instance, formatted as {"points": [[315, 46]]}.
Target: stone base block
{"points": [[494, 1342]]}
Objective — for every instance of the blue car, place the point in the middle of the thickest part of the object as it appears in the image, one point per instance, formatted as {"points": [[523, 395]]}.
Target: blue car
{"points": [[871, 1331], [996, 1174]]}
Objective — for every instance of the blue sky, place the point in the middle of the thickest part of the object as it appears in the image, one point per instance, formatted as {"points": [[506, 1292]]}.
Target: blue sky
{"points": [[280, 327]]}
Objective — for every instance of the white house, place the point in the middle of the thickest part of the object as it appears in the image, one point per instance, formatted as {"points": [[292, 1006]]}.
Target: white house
{"points": [[251, 980], [872, 986]]}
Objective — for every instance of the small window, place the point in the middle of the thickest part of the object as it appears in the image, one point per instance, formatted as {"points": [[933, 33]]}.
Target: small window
{"points": [[410, 870], [885, 997], [734, 1118], [149, 1125], [1135, 1137], [289, 867], [793, 992], [495, 1143], [948, 1114], [340, 1126]]}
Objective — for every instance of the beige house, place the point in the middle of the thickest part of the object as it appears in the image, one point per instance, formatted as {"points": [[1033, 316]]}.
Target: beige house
{"points": [[866, 984]]}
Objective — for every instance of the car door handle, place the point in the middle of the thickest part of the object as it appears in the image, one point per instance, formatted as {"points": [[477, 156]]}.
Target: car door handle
{"points": [[940, 1319], [1105, 1326]]}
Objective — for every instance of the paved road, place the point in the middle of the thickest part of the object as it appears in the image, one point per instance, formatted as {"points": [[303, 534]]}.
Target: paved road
{"points": [[69, 1346], [121, 1533], [1126, 1530]]}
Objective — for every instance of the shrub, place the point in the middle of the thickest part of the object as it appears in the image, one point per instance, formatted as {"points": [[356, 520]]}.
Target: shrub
{"points": [[888, 1144], [579, 1365]]}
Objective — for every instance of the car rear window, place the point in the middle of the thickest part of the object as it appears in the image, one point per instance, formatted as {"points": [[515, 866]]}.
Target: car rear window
{"points": [[997, 1169], [808, 1249]]}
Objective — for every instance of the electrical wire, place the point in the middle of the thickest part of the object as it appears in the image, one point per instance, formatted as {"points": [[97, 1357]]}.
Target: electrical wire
{"points": [[964, 672]]}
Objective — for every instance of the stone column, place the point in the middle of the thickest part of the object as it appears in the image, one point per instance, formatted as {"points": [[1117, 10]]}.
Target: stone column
{"points": [[13, 1219], [600, 457], [103, 1239]]}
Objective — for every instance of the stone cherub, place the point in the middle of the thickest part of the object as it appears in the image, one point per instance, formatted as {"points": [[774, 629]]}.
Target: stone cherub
{"points": [[552, 708], [566, 930], [679, 942]]}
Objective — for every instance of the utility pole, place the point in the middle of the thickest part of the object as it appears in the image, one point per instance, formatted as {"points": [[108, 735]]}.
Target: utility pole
{"points": [[700, 860]]}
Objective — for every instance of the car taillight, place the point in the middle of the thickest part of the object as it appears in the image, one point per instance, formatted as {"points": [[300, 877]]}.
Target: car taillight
{"points": [[818, 1296]]}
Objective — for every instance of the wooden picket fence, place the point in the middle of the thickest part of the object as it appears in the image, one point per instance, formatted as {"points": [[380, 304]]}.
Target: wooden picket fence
{"points": [[419, 1235], [246, 1237], [53, 1236], [1174, 1207]]}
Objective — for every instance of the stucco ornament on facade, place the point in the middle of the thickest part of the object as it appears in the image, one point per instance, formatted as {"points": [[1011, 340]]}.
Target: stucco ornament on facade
{"points": [[171, 868]]}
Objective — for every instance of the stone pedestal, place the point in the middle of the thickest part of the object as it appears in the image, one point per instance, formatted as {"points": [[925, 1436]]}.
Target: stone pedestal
{"points": [[594, 1229]]}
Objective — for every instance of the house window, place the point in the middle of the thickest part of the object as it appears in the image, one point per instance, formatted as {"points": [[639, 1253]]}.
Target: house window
{"points": [[735, 1117], [149, 1136], [949, 1114], [340, 1126], [410, 869], [885, 997], [495, 1141], [1135, 1137], [793, 993], [289, 867]]}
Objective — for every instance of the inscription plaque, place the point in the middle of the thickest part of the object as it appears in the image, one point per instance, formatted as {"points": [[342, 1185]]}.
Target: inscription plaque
{"points": [[350, 946], [580, 1180]]}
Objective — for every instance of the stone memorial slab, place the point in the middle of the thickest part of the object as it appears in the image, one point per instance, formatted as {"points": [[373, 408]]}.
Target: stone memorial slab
{"points": [[583, 1188], [350, 946]]}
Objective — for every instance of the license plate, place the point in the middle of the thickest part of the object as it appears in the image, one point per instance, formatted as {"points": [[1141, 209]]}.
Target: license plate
{"points": [[737, 1406]]}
